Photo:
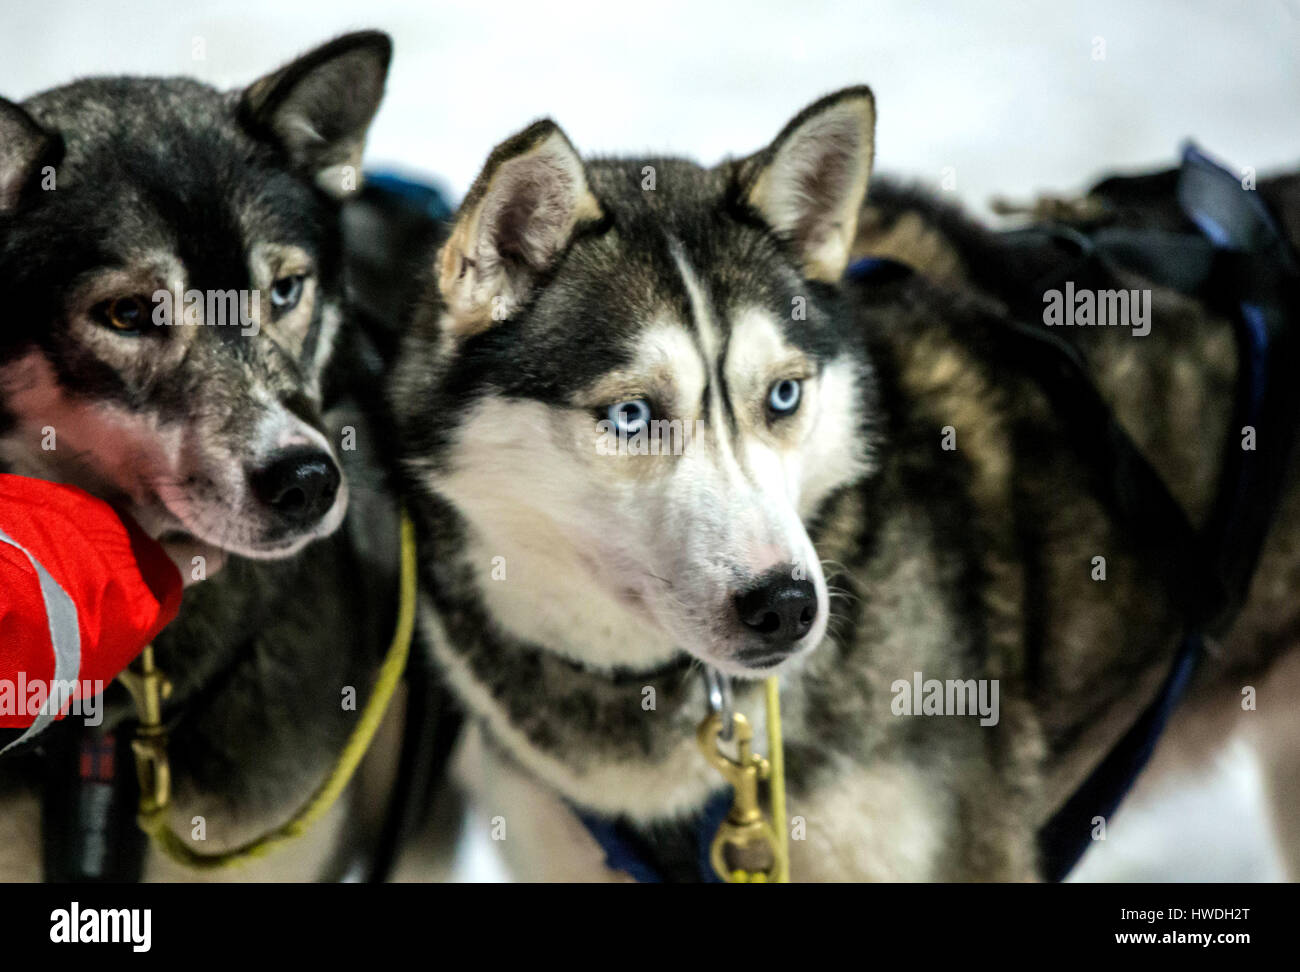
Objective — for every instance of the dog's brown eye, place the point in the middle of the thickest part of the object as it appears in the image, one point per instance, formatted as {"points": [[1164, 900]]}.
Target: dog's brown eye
{"points": [[127, 314]]}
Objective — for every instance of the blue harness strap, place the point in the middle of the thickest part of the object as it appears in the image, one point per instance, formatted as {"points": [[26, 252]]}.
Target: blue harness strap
{"points": [[419, 197], [876, 270], [621, 850], [628, 851]]}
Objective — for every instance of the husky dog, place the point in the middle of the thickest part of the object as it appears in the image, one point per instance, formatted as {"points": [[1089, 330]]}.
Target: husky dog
{"points": [[172, 260], [645, 425], [115, 195]]}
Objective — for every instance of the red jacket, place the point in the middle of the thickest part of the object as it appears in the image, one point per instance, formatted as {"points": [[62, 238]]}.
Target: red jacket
{"points": [[82, 591]]}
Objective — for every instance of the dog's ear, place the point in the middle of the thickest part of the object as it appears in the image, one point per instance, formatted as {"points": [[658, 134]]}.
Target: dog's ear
{"points": [[317, 109], [24, 144], [809, 184], [515, 222]]}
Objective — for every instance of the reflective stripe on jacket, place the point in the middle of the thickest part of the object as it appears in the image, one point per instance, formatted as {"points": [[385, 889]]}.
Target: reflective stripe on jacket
{"points": [[82, 591]]}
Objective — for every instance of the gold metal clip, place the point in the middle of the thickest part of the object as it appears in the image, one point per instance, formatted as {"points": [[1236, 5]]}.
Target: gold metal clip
{"points": [[746, 848], [149, 687]]}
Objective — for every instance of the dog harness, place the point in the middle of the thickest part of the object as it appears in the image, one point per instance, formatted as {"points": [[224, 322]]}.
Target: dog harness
{"points": [[1227, 251], [1222, 246]]}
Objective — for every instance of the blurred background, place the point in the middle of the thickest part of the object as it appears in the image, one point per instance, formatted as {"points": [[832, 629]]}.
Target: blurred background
{"points": [[1000, 98]]}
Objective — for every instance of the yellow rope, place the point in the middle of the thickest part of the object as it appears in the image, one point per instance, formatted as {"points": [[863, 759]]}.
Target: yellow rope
{"points": [[153, 820], [776, 756]]}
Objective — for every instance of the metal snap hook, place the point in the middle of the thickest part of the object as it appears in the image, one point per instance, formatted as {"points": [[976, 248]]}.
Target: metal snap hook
{"points": [[720, 703]]}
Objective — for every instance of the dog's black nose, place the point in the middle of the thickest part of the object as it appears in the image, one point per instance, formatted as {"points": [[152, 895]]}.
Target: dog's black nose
{"points": [[780, 609], [300, 485]]}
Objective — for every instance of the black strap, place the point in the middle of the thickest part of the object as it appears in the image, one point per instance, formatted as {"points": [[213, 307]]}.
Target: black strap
{"points": [[1252, 271], [1122, 477], [1215, 241]]}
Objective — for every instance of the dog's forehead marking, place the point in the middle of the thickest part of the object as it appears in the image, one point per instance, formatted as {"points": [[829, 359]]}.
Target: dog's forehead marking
{"points": [[668, 349], [665, 361], [740, 351], [269, 260], [711, 342], [706, 326], [757, 347]]}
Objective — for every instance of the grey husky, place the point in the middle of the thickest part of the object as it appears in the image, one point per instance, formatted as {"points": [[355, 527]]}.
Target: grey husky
{"points": [[172, 260], [646, 426]]}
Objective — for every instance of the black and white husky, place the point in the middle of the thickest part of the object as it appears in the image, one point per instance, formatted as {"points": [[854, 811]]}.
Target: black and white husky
{"points": [[646, 426]]}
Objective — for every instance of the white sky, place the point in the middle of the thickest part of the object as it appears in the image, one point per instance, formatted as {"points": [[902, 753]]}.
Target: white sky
{"points": [[1009, 93]]}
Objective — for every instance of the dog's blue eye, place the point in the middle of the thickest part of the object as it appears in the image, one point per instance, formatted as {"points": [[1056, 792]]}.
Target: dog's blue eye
{"points": [[286, 292], [630, 417], [783, 397]]}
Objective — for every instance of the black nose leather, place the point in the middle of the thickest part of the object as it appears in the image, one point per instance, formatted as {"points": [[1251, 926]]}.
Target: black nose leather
{"points": [[300, 485], [779, 609]]}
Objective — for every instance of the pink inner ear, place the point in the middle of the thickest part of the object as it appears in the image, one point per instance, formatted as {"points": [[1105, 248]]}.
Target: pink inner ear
{"points": [[530, 210], [824, 175]]}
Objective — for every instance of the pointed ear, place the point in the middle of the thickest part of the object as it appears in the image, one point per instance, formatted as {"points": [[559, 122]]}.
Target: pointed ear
{"points": [[318, 108], [24, 145], [810, 183], [517, 219]]}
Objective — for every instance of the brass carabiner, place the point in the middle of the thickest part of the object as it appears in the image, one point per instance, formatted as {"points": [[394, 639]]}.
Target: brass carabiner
{"points": [[745, 847], [149, 687]]}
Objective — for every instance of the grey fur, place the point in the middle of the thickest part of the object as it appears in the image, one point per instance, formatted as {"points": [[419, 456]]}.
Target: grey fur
{"points": [[172, 173]]}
